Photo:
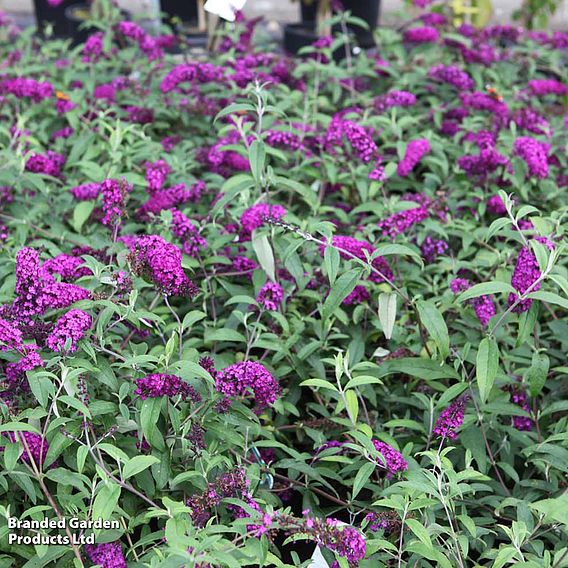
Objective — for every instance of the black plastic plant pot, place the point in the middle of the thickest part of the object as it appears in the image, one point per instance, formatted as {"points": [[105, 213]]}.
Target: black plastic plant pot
{"points": [[76, 16], [54, 15], [301, 35], [176, 12], [366, 10], [297, 36]]}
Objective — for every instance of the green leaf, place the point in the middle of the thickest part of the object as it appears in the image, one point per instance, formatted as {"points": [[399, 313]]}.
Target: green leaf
{"points": [[487, 365], [12, 451], [234, 108], [553, 509], [149, 415], [257, 159], [387, 312], [549, 298], [361, 478], [76, 404], [419, 531], [436, 326], [537, 373], [318, 383], [82, 453], [504, 556], [496, 226], [363, 380], [527, 321], [263, 250], [331, 260], [352, 403], [191, 318], [106, 501], [81, 213], [400, 250], [18, 427], [484, 289], [425, 369], [342, 287], [224, 334], [137, 464], [114, 452]]}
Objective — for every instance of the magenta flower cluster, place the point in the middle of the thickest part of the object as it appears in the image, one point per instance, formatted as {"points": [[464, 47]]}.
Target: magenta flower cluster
{"points": [[156, 175], [147, 44], [543, 87], [270, 296], [534, 153], [188, 234], [520, 398], [361, 250], [451, 419], [106, 555], [10, 336], [49, 163], [255, 216], [24, 87], [157, 385], [114, 193], [159, 261], [452, 75], [232, 484], [432, 248], [525, 274], [415, 151], [86, 191], [394, 99], [360, 140], [425, 34], [402, 221], [487, 161], [483, 306], [170, 197], [238, 379], [36, 444], [392, 460], [37, 291], [69, 329]]}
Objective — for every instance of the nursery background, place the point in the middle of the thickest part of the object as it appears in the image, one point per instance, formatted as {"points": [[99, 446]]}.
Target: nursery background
{"points": [[286, 295]]}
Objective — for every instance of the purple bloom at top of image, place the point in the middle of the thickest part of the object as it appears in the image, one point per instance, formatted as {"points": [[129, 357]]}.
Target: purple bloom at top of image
{"points": [[424, 34]]}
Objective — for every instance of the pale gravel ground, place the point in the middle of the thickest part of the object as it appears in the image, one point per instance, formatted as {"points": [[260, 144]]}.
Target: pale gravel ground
{"points": [[282, 11]]}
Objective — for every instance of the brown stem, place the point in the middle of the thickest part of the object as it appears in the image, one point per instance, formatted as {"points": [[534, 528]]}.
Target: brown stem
{"points": [[48, 495]]}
